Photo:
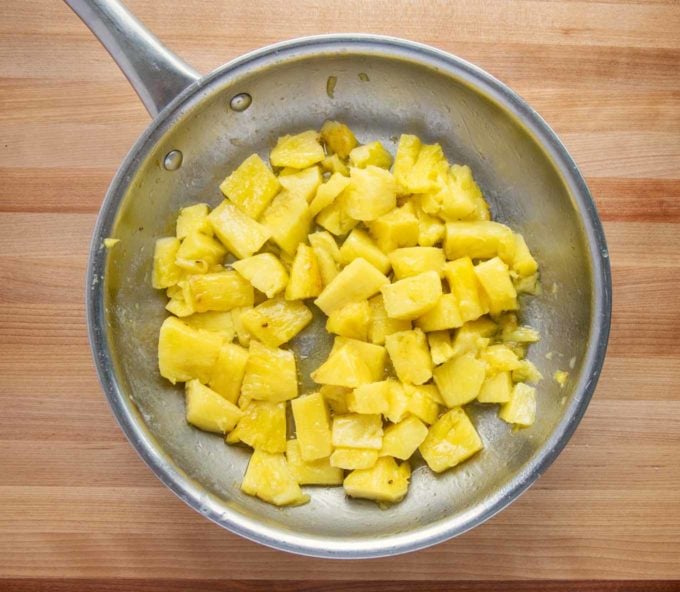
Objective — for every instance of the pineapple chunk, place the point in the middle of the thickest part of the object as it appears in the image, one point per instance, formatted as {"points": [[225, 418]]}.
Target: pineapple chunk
{"points": [[325, 241], [199, 252], [372, 154], [185, 353], [242, 334], [464, 285], [423, 401], [500, 358], [216, 321], [374, 356], [370, 194], [270, 478], [299, 151], [458, 195], [335, 219], [410, 356], [358, 281], [398, 228], [372, 398], [465, 184], [327, 193], [237, 231], [336, 397], [381, 325], [315, 472], [178, 306], [351, 363], [334, 164], [407, 154], [305, 275], [276, 321], [526, 372], [338, 138], [443, 315], [227, 373], [402, 439], [431, 230], [459, 380], [415, 260], [327, 255], [479, 240], [450, 441], [473, 336], [523, 262], [262, 427], [386, 481], [193, 219], [399, 401], [312, 426], [303, 183], [288, 220], [412, 297], [360, 244], [251, 186], [520, 410], [353, 458], [512, 332], [352, 320], [209, 411], [496, 389], [441, 349], [165, 270], [426, 170], [494, 277], [271, 374], [265, 272], [356, 430], [219, 291]]}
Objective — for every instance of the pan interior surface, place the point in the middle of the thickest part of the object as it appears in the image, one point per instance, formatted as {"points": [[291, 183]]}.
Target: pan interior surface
{"points": [[379, 95]]}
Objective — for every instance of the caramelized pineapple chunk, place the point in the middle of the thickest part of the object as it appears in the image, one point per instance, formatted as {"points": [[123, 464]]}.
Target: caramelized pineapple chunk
{"points": [[338, 138], [371, 398], [398, 228], [460, 274], [328, 192], [520, 410], [352, 320], [262, 427], [412, 297], [312, 426], [494, 277], [265, 272], [193, 219], [443, 315], [299, 151], [407, 154], [228, 371], [209, 411], [402, 439], [219, 291], [270, 478], [479, 240], [276, 321], [358, 281], [386, 481], [371, 193], [459, 380], [165, 270], [360, 244], [410, 356], [372, 154], [288, 220], [305, 275], [271, 374], [381, 325], [303, 183], [251, 186], [450, 441], [496, 388], [242, 235]]}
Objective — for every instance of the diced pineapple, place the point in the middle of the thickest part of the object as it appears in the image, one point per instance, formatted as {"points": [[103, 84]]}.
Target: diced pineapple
{"points": [[372, 398], [423, 401], [381, 325], [335, 219], [305, 275], [526, 285], [496, 388], [242, 334], [398, 228], [399, 400], [463, 282], [410, 356], [465, 183], [312, 426], [227, 374], [441, 349], [402, 439], [431, 230], [209, 411], [165, 270], [360, 244], [473, 336], [327, 255], [494, 277], [179, 307], [237, 231], [479, 240], [450, 441], [429, 165], [374, 356], [415, 260], [523, 262], [336, 397], [315, 472], [358, 281], [443, 315], [193, 219], [526, 372], [353, 458], [271, 374], [350, 365], [299, 151], [459, 380], [303, 183], [251, 186], [288, 220], [185, 353], [407, 154], [370, 194], [198, 252], [338, 138], [270, 478], [500, 358], [216, 321], [276, 321], [458, 194], [386, 481], [325, 240], [520, 410], [327, 193], [334, 164], [356, 430], [265, 272], [262, 427], [219, 291], [412, 297], [372, 154], [352, 320]]}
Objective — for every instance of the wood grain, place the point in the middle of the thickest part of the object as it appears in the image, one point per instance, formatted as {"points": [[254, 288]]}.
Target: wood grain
{"points": [[78, 509]]}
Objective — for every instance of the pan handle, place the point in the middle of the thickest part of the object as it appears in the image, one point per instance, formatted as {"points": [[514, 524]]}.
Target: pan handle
{"points": [[156, 73]]}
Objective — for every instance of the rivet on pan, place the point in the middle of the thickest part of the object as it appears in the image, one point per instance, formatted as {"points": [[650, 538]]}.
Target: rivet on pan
{"points": [[240, 102], [172, 160]]}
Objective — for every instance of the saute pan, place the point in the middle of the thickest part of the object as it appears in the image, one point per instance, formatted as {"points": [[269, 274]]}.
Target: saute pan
{"points": [[202, 127]]}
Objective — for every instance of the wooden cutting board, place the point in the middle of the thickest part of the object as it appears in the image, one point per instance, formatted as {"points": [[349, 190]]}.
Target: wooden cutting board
{"points": [[80, 511]]}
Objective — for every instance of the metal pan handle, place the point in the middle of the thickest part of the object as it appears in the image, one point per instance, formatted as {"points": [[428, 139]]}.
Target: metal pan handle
{"points": [[156, 74]]}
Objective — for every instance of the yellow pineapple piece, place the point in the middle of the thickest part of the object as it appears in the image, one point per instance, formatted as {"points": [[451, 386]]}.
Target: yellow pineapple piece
{"points": [[335, 219], [299, 151], [219, 291], [372, 154], [496, 388], [457, 195], [404, 160], [381, 325], [276, 321], [398, 228], [412, 297], [351, 365], [178, 304], [465, 184], [303, 183], [353, 458], [374, 356], [314, 472], [360, 244], [441, 348], [262, 427], [450, 441], [410, 356], [410, 261], [431, 230], [526, 285], [473, 336], [371, 398], [198, 252], [242, 334], [338, 138], [526, 372], [312, 426], [227, 374], [479, 240], [185, 353], [352, 320], [520, 410], [334, 164], [371, 193], [265, 273], [193, 219], [561, 377], [209, 411], [327, 255], [513, 332], [271, 374], [494, 277], [270, 478], [305, 275], [356, 430], [165, 270], [336, 397], [523, 262], [216, 321], [399, 401], [460, 274], [443, 315], [499, 358], [358, 281], [402, 439], [251, 186], [424, 174], [386, 481], [423, 401], [328, 192], [459, 380], [288, 220], [242, 235]]}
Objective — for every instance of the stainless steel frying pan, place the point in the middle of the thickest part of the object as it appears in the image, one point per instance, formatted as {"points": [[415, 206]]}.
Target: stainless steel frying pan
{"points": [[203, 127]]}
